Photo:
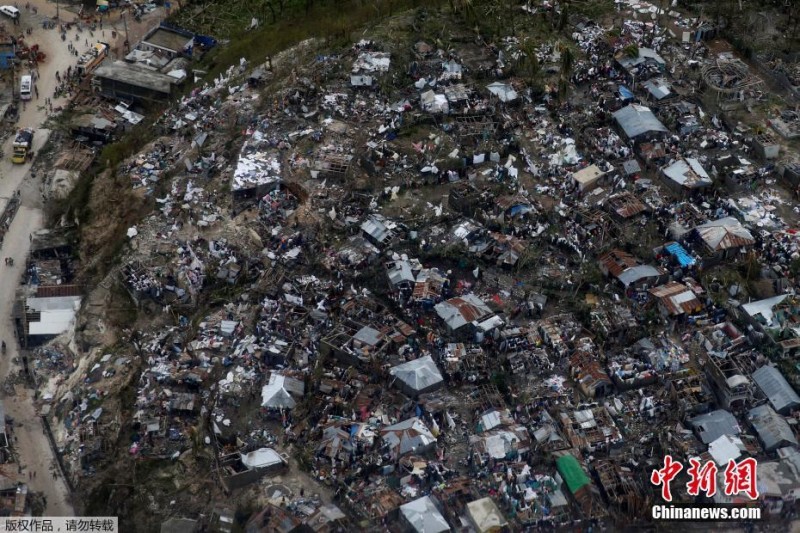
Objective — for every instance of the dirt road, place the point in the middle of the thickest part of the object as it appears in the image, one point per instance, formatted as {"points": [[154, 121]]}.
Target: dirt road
{"points": [[33, 448]]}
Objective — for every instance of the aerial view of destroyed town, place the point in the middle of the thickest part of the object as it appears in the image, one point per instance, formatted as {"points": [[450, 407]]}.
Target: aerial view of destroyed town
{"points": [[403, 266]]}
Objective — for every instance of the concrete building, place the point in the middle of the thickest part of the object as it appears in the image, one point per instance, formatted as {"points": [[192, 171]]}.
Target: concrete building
{"points": [[167, 41], [50, 313], [129, 82], [588, 178], [484, 516]]}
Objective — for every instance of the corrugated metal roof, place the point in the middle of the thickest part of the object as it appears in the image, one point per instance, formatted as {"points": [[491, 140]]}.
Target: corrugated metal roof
{"points": [[626, 205], [772, 428], [636, 120], [617, 261], [368, 335], [713, 425], [457, 312], [375, 228], [780, 394], [401, 272], [278, 392], [659, 89], [631, 167], [634, 274], [677, 298], [724, 233], [418, 374], [423, 516], [688, 173], [643, 55], [408, 435], [52, 291]]}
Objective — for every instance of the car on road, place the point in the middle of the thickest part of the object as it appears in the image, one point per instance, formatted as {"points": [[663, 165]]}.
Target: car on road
{"points": [[10, 11]]}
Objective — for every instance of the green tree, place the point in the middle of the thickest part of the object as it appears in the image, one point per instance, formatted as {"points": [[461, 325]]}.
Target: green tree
{"points": [[567, 63], [528, 66]]}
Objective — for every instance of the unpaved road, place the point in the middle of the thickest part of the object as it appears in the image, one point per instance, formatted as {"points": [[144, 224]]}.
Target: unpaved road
{"points": [[32, 446]]}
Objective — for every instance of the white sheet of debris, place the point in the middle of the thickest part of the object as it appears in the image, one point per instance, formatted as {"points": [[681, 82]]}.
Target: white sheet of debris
{"points": [[372, 62], [255, 168]]}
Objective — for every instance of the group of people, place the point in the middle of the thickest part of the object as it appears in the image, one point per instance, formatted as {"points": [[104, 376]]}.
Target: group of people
{"points": [[9, 261]]}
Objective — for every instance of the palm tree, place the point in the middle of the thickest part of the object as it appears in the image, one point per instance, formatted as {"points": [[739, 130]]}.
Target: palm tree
{"points": [[196, 440], [528, 63], [567, 59], [567, 62]]}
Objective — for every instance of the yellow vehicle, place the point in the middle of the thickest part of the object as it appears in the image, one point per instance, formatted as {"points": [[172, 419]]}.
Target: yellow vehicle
{"points": [[23, 144], [92, 58]]}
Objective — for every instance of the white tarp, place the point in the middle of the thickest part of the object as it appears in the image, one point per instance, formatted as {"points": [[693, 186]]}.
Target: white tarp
{"points": [[503, 91], [261, 458]]}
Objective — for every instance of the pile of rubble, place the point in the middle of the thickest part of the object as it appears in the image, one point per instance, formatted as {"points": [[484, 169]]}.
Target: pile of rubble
{"points": [[455, 299]]}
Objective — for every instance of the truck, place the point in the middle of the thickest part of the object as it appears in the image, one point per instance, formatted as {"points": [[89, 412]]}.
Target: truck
{"points": [[23, 145], [92, 58]]}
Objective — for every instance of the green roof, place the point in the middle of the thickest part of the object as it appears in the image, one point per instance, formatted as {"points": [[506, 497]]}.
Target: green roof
{"points": [[570, 469]]}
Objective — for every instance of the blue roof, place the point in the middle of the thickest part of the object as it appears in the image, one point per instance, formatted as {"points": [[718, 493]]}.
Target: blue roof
{"points": [[680, 254], [625, 93]]}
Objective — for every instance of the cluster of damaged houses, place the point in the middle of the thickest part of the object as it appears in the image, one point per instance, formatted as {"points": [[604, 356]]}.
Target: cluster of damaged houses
{"points": [[481, 340]]}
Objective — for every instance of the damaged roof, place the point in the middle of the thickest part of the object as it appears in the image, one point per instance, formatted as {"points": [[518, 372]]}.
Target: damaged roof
{"points": [[460, 311], [279, 392], [407, 436], [724, 233], [677, 298], [773, 430], [688, 173]]}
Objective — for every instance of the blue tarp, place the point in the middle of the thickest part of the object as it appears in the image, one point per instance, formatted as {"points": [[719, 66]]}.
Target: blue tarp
{"points": [[205, 41], [680, 254], [519, 210], [625, 93]]}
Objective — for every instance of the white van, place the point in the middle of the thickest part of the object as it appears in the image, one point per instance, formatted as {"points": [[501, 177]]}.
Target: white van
{"points": [[10, 11], [25, 87]]}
